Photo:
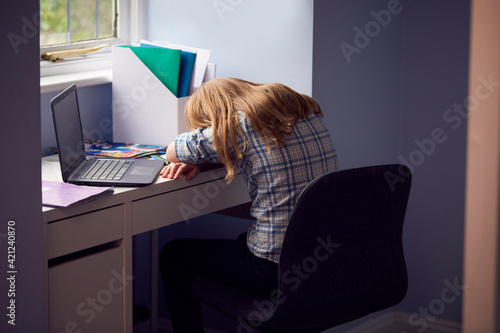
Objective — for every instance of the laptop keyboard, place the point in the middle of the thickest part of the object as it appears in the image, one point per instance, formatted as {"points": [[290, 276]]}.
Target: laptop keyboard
{"points": [[107, 169]]}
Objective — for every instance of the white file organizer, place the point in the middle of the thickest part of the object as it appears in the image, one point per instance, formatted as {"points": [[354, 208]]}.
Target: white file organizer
{"points": [[144, 110]]}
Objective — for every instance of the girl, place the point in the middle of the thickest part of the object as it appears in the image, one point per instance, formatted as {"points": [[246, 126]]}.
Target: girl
{"points": [[276, 139]]}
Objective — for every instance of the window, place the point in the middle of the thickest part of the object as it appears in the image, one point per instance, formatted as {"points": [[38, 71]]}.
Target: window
{"points": [[76, 24], [73, 21]]}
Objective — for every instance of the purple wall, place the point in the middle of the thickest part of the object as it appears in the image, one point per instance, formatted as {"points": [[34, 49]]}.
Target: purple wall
{"points": [[20, 196]]}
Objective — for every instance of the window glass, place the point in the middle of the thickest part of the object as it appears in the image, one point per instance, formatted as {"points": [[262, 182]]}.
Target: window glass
{"points": [[53, 22], [83, 20], [107, 20], [68, 21]]}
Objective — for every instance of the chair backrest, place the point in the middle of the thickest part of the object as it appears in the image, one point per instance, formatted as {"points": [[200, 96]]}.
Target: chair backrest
{"points": [[342, 256]]}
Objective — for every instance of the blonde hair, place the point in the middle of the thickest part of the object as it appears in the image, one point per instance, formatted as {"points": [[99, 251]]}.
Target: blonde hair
{"points": [[272, 109]]}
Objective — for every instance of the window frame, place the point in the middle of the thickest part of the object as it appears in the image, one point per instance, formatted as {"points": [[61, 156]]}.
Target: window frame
{"points": [[94, 68]]}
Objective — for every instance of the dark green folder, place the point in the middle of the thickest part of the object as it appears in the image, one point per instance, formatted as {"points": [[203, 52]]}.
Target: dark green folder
{"points": [[163, 63]]}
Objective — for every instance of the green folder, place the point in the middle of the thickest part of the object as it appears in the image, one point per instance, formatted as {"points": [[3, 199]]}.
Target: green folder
{"points": [[163, 63]]}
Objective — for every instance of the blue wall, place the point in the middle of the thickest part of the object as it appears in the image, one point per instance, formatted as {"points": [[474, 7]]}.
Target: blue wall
{"points": [[95, 110], [258, 40], [435, 79], [384, 96], [360, 92]]}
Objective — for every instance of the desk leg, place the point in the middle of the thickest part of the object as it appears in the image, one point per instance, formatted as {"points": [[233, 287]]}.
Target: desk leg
{"points": [[154, 280], [127, 268]]}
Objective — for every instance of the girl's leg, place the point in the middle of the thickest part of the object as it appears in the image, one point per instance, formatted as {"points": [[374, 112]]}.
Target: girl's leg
{"points": [[223, 260]]}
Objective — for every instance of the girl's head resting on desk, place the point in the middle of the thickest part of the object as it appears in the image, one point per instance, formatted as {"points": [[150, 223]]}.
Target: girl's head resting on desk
{"points": [[272, 109]]}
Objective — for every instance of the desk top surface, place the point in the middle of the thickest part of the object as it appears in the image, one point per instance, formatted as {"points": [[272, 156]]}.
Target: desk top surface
{"points": [[51, 171]]}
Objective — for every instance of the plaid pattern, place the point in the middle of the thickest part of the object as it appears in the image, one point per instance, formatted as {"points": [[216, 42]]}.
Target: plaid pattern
{"points": [[274, 179]]}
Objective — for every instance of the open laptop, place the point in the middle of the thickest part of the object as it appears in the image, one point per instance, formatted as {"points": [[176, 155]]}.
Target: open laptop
{"points": [[76, 168]]}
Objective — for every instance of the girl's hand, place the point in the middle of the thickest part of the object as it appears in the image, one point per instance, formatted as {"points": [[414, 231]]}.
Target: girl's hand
{"points": [[176, 170]]}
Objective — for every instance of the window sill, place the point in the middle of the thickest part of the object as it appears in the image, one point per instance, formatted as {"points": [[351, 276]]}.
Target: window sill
{"points": [[85, 71], [61, 82]]}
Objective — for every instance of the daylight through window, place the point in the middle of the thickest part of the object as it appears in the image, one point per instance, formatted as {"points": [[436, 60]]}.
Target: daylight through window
{"points": [[69, 21]]}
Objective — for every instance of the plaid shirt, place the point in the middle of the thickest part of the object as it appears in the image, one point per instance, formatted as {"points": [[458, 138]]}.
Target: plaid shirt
{"points": [[274, 179]]}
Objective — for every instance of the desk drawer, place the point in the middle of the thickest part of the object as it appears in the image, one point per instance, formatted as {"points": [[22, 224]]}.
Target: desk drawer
{"points": [[87, 294], [182, 205], [84, 231]]}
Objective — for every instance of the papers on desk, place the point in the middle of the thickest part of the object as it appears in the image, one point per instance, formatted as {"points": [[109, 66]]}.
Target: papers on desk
{"points": [[123, 150], [60, 194]]}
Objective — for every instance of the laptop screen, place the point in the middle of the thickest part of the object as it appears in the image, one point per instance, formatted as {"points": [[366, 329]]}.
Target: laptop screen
{"points": [[68, 129]]}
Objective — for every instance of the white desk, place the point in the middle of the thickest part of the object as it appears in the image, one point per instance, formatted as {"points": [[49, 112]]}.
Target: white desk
{"points": [[89, 247]]}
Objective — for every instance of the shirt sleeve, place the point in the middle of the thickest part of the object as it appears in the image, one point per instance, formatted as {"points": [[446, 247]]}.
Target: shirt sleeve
{"points": [[196, 147]]}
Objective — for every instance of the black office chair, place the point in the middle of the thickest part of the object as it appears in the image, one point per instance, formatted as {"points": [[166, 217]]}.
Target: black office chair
{"points": [[342, 256]]}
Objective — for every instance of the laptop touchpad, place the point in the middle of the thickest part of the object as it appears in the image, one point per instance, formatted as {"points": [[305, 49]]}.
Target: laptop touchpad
{"points": [[142, 170]]}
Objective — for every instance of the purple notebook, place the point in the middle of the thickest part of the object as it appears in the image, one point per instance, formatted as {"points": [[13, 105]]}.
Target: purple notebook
{"points": [[59, 194]]}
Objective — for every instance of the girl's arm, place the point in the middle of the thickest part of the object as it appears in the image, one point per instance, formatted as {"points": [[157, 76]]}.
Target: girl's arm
{"points": [[170, 154], [177, 169]]}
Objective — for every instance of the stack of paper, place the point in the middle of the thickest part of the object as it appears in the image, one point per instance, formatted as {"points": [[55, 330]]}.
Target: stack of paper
{"points": [[59, 194], [164, 63], [192, 67], [148, 98]]}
